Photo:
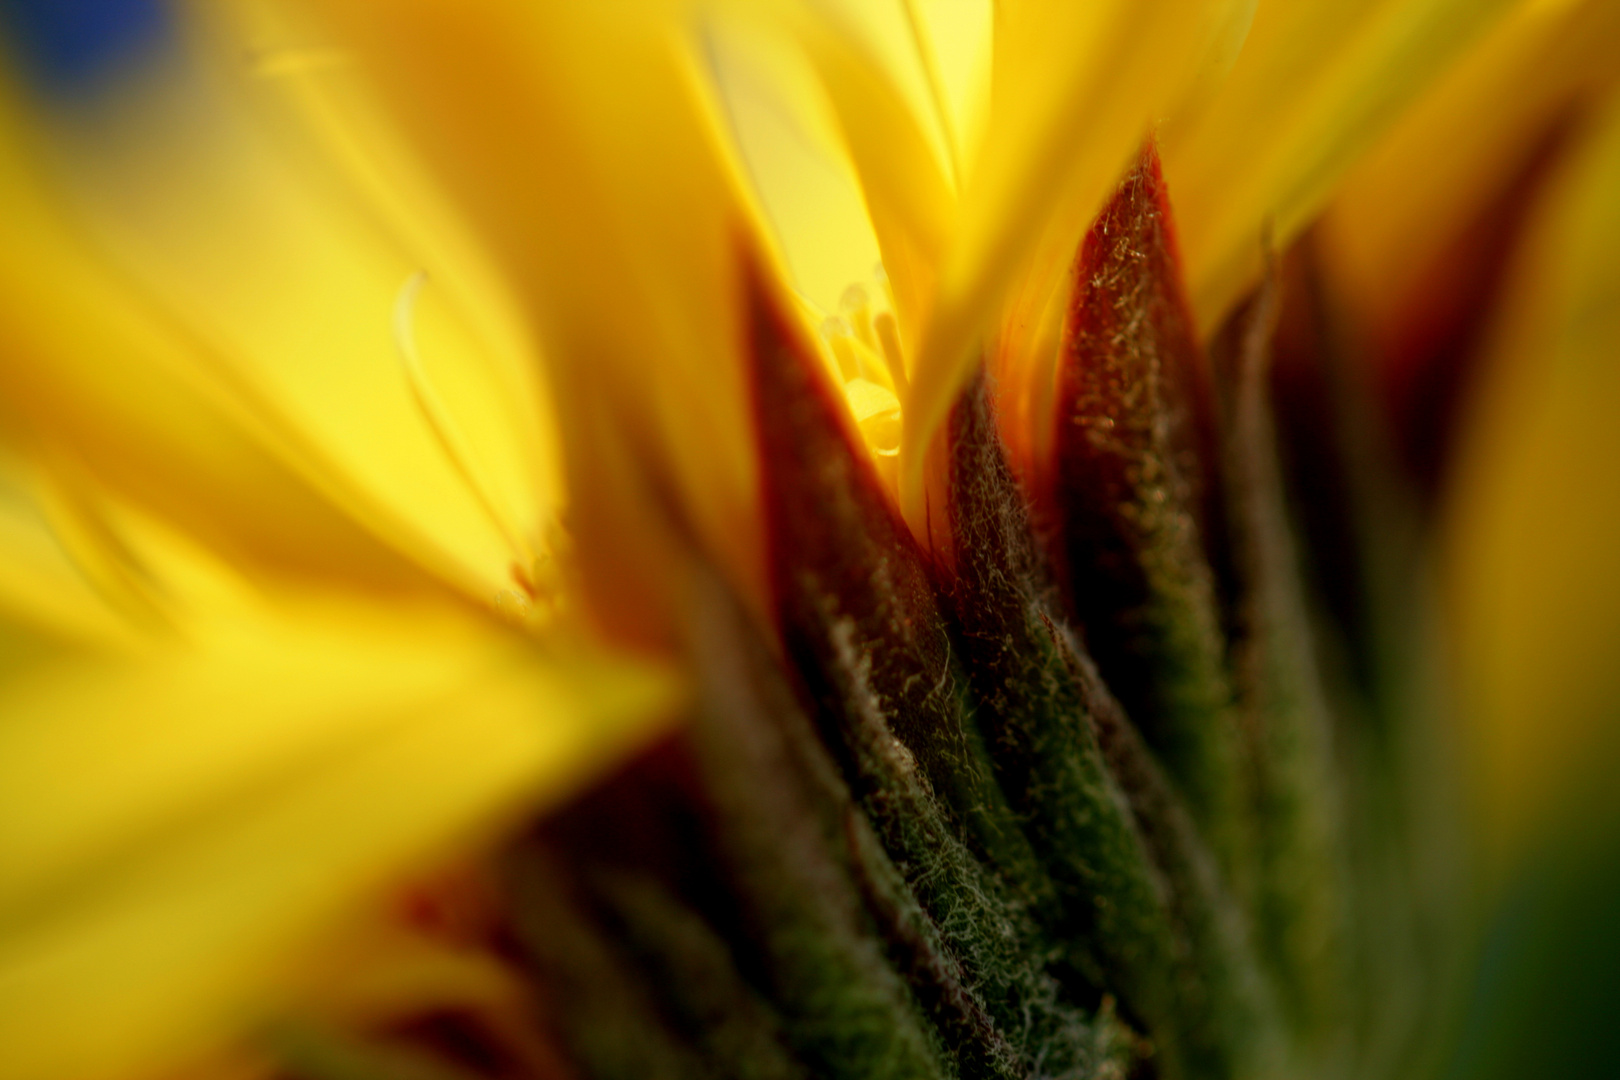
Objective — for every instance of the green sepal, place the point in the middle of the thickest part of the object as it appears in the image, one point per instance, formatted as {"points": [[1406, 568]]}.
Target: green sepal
{"points": [[1135, 497], [1302, 913], [1140, 884], [778, 830], [858, 613]]}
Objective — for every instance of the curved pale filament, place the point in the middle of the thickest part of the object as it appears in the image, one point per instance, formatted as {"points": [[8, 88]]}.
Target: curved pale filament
{"points": [[450, 438]]}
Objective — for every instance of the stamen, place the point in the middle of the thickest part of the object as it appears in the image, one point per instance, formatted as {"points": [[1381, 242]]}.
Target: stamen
{"points": [[877, 412], [449, 436], [888, 335], [880, 274], [864, 340], [856, 308]]}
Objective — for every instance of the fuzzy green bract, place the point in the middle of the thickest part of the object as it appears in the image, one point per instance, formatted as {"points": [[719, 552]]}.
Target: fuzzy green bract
{"points": [[1107, 792]]}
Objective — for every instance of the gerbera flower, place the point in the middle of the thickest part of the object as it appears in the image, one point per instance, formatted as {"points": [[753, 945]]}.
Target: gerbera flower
{"points": [[921, 447]]}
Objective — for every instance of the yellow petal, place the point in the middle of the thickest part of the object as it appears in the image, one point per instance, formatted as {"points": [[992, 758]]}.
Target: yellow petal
{"points": [[1077, 87], [904, 180], [93, 372], [788, 140], [45, 601], [1535, 522], [188, 800], [576, 140], [376, 969], [1313, 88], [896, 40], [954, 39], [179, 827], [235, 226], [1462, 145]]}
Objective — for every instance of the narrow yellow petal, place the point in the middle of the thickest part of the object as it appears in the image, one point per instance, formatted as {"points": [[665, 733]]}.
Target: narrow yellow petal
{"points": [[233, 225], [201, 771], [576, 140], [789, 143], [96, 373], [498, 394], [907, 188], [1077, 88], [897, 41], [43, 595], [177, 829], [1313, 88], [1535, 522], [954, 38], [376, 968], [1462, 145]]}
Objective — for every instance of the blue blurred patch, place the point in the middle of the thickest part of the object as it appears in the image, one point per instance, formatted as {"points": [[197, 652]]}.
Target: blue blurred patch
{"points": [[66, 46]]}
